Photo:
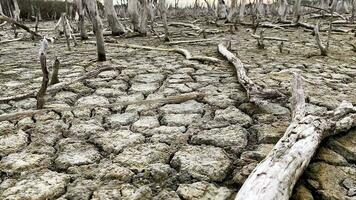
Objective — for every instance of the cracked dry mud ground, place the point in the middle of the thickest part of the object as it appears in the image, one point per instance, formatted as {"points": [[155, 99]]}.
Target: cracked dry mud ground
{"points": [[198, 149]]}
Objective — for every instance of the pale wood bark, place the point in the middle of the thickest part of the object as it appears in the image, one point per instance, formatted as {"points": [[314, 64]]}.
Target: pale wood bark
{"points": [[116, 26], [168, 100], [233, 11], [283, 9], [42, 92], [1, 10], [296, 10], [323, 48], [17, 11], [54, 88], [12, 21], [256, 93], [54, 78], [97, 27], [181, 51], [138, 11], [81, 14], [64, 24], [276, 175], [270, 38], [242, 10], [222, 10], [163, 11]]}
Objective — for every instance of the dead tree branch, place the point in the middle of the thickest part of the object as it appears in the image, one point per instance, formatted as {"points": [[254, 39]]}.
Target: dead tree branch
{"points": [[293, 152], [256, 93], [12, 21], [54, 88], [40, 95], [167, 100]]}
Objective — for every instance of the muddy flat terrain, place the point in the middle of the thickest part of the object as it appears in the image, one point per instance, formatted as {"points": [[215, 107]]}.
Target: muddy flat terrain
{"points": [[198, 149]]}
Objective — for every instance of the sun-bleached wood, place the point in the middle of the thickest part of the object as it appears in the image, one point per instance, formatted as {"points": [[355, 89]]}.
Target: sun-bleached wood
{"points": [[97, 27], [181, 51], [54, 77], [54, 88], [116, 27], [256, 93], [275, 176], [42, 92], [167, 100], [12, 21], [232, 11], [222, 10]]}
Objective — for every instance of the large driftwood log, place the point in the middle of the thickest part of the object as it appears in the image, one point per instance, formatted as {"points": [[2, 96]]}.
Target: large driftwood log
{"points": [[12, 21], [256, 93], [167, 100], [276, 175]]}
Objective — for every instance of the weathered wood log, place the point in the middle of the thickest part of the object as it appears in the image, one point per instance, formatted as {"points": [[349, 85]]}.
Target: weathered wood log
{"points": [[54, 78], [116, 27], [54, 88], [242, 10], [168, 100], [256, 93], [283, 9], [12, 21], [42, 92], [12, 40], [276, 175], [97, 28]]}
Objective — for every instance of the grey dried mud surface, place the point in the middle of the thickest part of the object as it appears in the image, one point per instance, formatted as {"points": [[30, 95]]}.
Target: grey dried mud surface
{"points": [[198, 149]]}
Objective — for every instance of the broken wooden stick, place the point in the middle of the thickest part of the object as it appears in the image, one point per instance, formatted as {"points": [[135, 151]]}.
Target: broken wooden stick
{"points": [[12, 21], [57, 87], [276, 175], [168, 100], [181, 51], [270, 38], [42, 92], [256, 93]]}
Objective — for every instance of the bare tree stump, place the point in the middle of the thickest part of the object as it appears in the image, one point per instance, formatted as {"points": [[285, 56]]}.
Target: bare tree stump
{"points": [[12, 21], [163, 9], [54, 78], [116, 27], [97, 27], [81, 14], [42, 92]]}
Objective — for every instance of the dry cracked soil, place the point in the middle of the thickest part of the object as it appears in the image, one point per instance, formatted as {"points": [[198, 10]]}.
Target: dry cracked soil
{"points": [[195, 150]]}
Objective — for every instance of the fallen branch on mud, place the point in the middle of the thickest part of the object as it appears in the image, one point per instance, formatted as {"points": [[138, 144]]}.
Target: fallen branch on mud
{"points": [[270, 38], [188, 41], [181, 51], [12, 21], [256, 93], [56, 87], [167, 100], [276, 175], [12, 40]]}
